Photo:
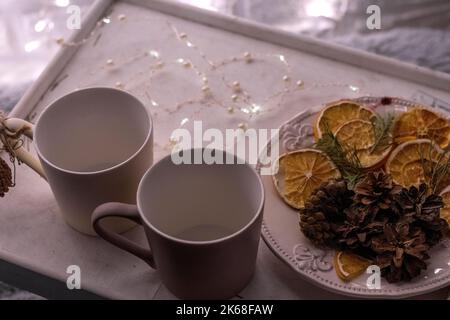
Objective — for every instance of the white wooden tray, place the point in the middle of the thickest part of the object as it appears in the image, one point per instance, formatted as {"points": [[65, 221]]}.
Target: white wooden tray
{"points": [[33, 236]]}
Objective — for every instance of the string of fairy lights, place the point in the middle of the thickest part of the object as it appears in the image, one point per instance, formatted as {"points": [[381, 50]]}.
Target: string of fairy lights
{"points": [[239, 99]]}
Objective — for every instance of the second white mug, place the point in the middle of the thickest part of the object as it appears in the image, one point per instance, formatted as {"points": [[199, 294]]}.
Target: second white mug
{"points": [[94, 146]]}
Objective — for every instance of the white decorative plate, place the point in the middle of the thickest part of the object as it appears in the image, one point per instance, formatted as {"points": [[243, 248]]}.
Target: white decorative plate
{"points": [[282, 234]]}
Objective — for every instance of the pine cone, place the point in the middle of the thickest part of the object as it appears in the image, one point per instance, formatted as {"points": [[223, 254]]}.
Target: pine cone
{"points": [[423, 210], [376, 192], [379, 220], [401, 251], [6, 181], [324, 212], [358, 229], [373, 205]]}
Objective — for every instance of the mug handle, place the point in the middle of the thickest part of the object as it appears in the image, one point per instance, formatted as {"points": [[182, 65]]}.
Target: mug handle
{"points": [[120, 210], [13, 128]]}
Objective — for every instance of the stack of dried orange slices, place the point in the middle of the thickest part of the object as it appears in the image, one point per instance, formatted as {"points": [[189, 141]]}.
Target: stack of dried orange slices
{"points": [[404, 146]]}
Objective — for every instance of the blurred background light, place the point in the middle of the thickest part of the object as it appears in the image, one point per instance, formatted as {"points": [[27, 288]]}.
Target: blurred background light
{"points": [[62, 3], [32, 45], [320, 8]]}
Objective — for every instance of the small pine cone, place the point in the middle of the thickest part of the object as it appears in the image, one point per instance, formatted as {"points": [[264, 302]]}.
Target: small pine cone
{"points": [[377, 193], [401, 252], [357, 230], [6, 181], [324, 212], [418, 201], [316, 227], [423, 210]]}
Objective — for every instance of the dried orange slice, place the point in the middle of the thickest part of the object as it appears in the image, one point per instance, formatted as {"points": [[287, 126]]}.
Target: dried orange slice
{"points": [[300, 173], [336, 114], [359, 135], [445, 211], [348, 266], [419, 123], [407, 161]]}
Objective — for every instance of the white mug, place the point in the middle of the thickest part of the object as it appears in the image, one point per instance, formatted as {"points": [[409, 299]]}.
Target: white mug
{"points": [[202, 222], [94, 145]]}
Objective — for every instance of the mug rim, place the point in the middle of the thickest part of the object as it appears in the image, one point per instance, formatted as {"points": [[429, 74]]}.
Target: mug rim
{"points": [[255, 216], [55, 101]]}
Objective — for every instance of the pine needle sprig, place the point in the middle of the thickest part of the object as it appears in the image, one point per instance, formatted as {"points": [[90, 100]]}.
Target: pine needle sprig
{"points": [[382, 127], [343, 157]]}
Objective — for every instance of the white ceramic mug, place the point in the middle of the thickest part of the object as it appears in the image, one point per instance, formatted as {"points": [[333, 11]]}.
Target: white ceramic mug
{"points": [[94, 146], [202, 222]]}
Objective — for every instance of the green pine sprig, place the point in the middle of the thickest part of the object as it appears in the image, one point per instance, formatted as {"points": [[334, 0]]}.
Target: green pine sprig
{"points": [[382, 127], [343, 157]]}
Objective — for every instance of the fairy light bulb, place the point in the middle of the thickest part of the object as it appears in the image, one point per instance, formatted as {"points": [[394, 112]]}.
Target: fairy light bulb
{"points": [[119, 85], [242, 126], [248, 57], [236, 86]]}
